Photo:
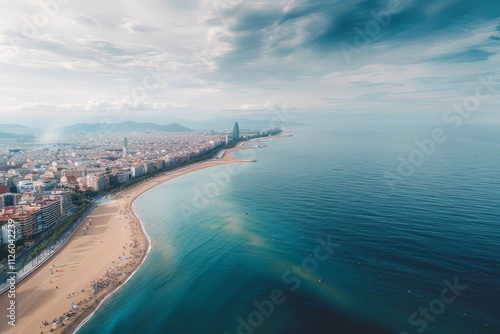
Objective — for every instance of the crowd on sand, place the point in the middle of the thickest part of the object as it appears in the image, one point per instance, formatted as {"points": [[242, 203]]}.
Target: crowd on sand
{"points": [[113, 277]]}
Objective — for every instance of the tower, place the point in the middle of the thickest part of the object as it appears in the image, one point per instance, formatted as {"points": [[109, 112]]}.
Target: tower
{"points": [[125, 147], [236, 131]]}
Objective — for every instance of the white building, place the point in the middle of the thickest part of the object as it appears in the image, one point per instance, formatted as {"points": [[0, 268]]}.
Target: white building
{"points": [[137, 171], [26, 185]]}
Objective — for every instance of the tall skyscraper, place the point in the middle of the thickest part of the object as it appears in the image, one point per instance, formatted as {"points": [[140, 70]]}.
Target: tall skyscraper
{"points": [[236, 132], [125, 147]]}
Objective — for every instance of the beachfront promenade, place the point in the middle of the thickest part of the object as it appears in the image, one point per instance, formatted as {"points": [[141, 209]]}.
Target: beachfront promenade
{"points": [[25, 267]]}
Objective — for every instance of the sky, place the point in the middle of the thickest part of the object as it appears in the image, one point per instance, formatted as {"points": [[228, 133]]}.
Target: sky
{"points": [[66, 61]]}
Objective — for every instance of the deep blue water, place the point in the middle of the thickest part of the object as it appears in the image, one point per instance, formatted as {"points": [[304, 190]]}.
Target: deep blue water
{"points": [[318, 227]]}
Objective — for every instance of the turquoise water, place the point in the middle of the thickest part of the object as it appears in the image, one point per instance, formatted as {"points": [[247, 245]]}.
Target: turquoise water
{"points": [[314, 239]]}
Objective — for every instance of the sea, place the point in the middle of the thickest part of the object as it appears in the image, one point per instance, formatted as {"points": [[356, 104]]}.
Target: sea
{"points": [[352, 229]]}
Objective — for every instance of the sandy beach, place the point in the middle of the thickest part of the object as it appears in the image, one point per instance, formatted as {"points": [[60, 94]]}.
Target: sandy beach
{"points": [[90, 266]]}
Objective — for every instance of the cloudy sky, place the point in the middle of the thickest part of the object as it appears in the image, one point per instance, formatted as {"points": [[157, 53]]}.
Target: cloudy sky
{"points": [[71, 60]]}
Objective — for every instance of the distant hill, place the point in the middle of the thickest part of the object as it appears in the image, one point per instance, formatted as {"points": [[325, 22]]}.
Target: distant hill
{"points": [[92, 125], [15, 129], [25, 138], [123, 127], [8, 135], [174, 127]]}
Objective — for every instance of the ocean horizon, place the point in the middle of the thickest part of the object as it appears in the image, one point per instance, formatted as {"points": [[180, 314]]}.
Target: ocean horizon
{"points": [[380, 229]]}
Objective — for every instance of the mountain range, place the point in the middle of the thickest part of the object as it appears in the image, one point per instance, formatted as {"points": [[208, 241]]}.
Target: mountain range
{"points": [[20, 138], [18, 131], [122, 127]]}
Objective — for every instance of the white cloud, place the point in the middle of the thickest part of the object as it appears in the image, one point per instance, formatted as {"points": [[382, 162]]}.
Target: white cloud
{"points": [[94, 105], [86, 20], [46, 107], [135, 26], [267, 106]]}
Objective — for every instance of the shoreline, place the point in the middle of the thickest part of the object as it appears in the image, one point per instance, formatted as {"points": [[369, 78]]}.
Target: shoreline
{"points": [[86, 316], [37, 294], [228, 158]]}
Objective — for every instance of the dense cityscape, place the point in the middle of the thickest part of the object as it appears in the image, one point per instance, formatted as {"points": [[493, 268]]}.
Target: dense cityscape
{"points": [[38, 181]]}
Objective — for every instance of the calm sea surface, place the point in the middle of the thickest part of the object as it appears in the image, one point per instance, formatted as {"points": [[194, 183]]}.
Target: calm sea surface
{"points": [[324, 235]]}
